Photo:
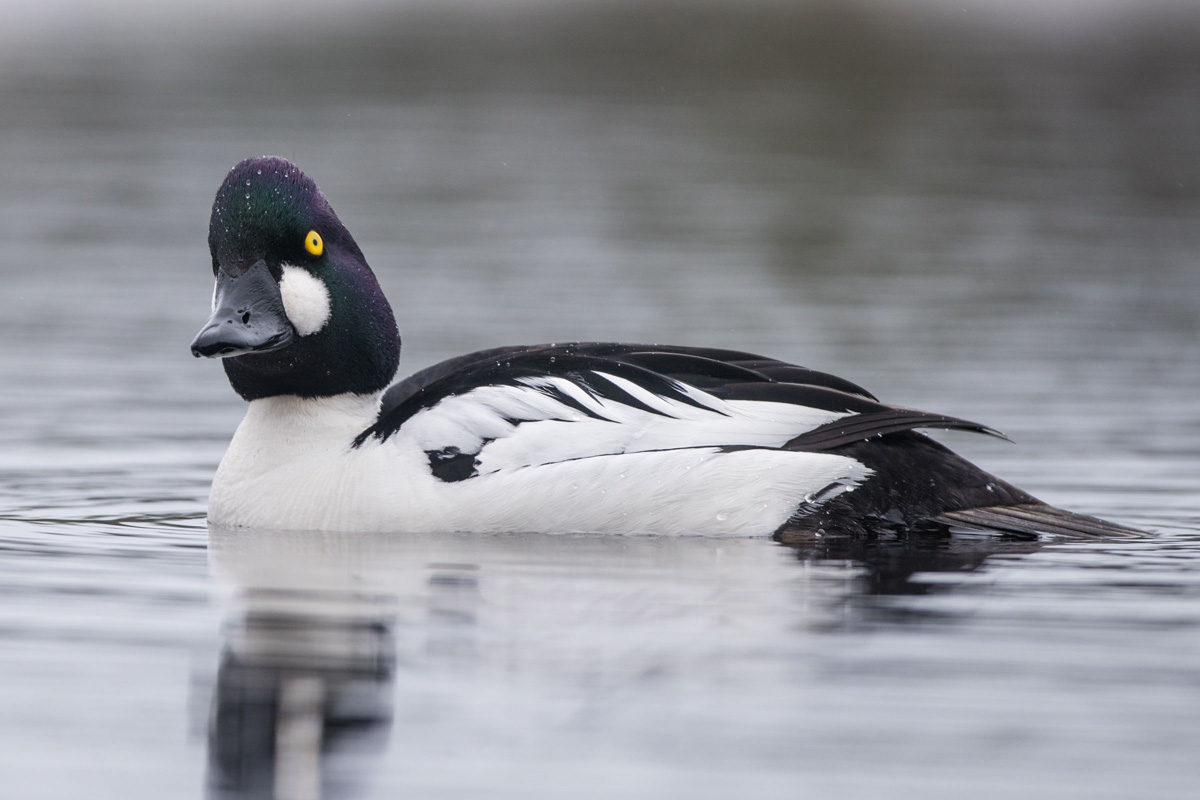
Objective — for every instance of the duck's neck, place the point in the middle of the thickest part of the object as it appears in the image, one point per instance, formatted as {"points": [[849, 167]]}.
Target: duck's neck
{"points": [[282, 430], [287, 462]]}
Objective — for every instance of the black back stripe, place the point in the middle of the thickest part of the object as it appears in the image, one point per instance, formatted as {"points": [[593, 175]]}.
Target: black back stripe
{"points": [[820, 397], [694, 370], [782, 372]]}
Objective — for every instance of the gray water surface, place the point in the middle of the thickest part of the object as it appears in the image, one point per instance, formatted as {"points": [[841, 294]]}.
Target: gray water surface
{"points": [[990, 222]]}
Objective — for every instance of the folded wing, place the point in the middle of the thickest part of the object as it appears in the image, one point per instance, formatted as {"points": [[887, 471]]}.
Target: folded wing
{"points": [[522, 406]]}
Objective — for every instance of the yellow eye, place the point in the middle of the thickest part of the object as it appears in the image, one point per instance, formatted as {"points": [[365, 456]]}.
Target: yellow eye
{"points": [[313, 243]]}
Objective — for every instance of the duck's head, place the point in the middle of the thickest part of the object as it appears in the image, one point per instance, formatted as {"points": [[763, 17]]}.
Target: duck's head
{"points": [[296, 309]]}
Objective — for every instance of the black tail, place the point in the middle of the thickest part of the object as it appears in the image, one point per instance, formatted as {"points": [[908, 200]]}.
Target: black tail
{"points": [[918, 483], [1037, 518]]}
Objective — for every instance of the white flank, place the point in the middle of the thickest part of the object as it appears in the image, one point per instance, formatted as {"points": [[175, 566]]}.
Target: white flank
{"points": [[305, 300], [291, 466]]}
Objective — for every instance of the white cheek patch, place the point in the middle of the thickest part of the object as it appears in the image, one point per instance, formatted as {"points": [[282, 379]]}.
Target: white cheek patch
{"points": [[305, 300]]}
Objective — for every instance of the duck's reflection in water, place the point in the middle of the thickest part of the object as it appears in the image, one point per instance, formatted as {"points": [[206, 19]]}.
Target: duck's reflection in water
{"points": [[304, 688], [307, 677], [892, 562], [292, 689]]}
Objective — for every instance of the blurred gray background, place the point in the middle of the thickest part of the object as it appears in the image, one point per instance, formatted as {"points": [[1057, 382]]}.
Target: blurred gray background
{"points": [[985, 208], [997, 200]]}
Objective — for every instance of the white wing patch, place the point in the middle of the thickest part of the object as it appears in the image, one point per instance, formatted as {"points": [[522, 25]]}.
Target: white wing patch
{"points": [[506, 427]]}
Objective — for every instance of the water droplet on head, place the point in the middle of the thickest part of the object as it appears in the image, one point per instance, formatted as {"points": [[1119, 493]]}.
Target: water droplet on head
{"points": [[260, 172], [247, 195], [247, 181]]}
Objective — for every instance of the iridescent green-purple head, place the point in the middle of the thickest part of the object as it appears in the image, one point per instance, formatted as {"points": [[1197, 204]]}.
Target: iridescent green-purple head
{"points": [[296, 309]]}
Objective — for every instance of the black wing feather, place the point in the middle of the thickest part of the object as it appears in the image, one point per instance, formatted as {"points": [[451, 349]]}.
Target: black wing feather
{"points": [[880, 423]]}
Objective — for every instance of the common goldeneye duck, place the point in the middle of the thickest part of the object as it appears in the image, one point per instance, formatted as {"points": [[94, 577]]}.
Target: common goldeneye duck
{"points": [[583, 437]]}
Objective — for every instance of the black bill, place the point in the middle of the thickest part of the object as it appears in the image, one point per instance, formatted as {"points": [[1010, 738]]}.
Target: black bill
{"points": [[249, 316]]}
